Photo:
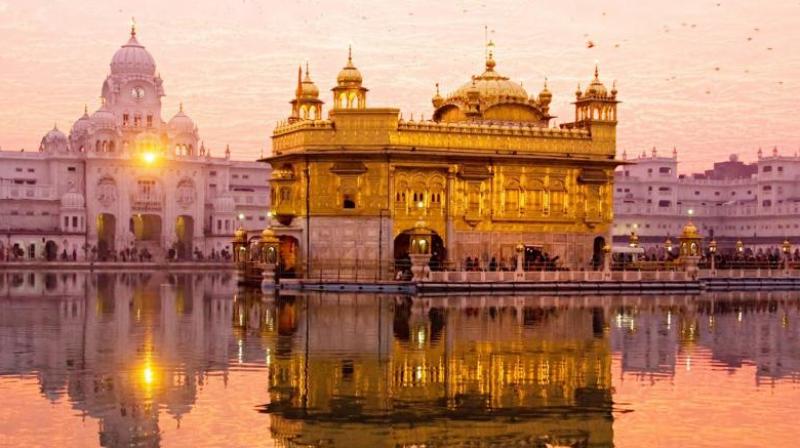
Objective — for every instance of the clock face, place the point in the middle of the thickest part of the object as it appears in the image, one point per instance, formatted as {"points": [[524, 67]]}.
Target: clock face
{"points": [[137, 93]]}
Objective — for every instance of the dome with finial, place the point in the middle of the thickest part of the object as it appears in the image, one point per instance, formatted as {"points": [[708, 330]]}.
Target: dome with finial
{"points": [[437, 99], [498, 99], [103, 118], [54, 141], [596, 88], [545, 96], [133, 58], [491, 84], [349, 74], [82, 124], [181, 123], [689, 231], [307, 87]]}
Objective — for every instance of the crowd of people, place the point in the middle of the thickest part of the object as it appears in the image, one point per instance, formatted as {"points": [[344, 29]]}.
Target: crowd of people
{"points": [[127, 255]]}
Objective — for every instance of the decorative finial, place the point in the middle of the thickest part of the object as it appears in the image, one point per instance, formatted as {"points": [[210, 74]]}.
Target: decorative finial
{"points": [[596, 72], [350, 54], [133, 27], [545, 83], [55, 125], [306, 69], [85, 109], [180, 108], [437, 89]]}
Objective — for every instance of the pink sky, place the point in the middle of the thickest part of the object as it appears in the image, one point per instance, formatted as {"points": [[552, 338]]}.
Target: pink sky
{"points": [[687, 74]]}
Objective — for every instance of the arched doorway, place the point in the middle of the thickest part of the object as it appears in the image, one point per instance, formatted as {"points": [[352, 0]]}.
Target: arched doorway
{"points": [[401, 245], [289, 248], [184, 232], [146, 227], [597, 252], [50, 250], [106, 233]]}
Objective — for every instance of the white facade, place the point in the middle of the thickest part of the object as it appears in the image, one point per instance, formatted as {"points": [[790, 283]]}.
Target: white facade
{"points": [[124, 178], [756, 203]]}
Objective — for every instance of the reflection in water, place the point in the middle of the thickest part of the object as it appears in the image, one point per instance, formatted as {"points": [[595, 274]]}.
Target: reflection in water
{"points": [[134, 352]]}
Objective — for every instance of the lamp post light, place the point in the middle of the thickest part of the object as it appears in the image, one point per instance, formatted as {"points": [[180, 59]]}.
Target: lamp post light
{"points": [[786, 247], [712, 250], [739, 248], [668, 247]]}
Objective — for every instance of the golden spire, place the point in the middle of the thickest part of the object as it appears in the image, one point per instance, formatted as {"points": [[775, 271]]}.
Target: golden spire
{"points": [[133, 27], [306, 69], [298, 89], [596, 74], [350, 54], [490, 56], [85, 109], [545, 84], [180, 107]]}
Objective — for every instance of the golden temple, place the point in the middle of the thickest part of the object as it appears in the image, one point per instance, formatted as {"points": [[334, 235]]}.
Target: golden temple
{"points": [[486, 173]]}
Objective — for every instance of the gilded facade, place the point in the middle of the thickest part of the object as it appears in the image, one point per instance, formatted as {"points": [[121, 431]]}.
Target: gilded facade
{"points": [[486, 172]]}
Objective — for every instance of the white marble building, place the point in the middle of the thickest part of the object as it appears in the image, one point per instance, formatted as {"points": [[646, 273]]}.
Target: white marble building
{"points": [[125, 178], [757, 203]]}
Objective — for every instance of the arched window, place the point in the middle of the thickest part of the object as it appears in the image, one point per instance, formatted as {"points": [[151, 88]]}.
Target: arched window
{"points": [[348, 201], [354, 100], [557, 197], [512, 196], [535, 196], [343, 100]]}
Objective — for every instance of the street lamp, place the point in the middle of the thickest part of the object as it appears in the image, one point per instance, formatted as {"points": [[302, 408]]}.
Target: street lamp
{"points": [[668, 245], [633, 241], [712, 249], [786, 247], [739, 247]]}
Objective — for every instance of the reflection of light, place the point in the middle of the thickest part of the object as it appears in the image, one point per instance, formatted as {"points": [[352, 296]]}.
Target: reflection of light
{"points": [[669, 320], [418, 373], [148, 375], [269, 358], [241, 216], [739, 316], [626, 321], [421, 336], [240, 356], [688, 363]]}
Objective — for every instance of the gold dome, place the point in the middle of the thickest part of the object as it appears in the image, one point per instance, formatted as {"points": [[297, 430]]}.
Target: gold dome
{"points": [[491, 85], [491, 96], [596, 88], [307, 87], [689, 231], [349, 74], [268, 236]]}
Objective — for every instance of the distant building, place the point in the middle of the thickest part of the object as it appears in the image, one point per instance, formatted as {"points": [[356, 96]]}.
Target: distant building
{"points": [[125, 178], [757, 203]]}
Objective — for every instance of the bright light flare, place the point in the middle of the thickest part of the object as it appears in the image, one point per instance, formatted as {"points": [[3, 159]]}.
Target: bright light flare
{"points": [[149, 158], [147, 375]]}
